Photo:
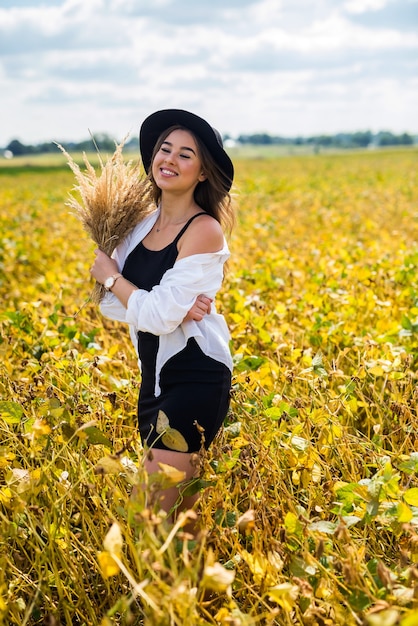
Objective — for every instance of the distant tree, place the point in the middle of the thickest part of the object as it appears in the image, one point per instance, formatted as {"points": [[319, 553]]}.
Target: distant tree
{"points": [[49, 146], [132, 144], [361, 139], [257, 139], [343, 140], [105, 143], [406, 139], [386, 138], [16, 147], [324, 140], [102, 141]]}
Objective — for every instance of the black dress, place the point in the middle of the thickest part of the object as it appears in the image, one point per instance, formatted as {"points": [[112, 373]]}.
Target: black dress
{"points": [[195, 389]]}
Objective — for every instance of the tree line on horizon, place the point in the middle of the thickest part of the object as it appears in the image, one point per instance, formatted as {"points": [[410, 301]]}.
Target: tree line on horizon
{"points": [[104, 142]]}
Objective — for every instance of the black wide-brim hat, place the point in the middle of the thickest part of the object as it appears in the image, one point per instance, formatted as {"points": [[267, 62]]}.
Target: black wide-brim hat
{"points": [[158, 122]]}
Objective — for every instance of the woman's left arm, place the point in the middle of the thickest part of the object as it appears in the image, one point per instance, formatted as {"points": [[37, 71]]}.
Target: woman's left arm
{"points": [[103, 267]]}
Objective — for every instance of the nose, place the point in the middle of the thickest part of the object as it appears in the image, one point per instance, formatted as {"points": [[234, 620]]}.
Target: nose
{"points": [[169, 158]]}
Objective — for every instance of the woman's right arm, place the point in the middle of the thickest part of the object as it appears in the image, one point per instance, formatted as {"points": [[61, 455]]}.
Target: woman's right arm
{"points": [[162, 309]]}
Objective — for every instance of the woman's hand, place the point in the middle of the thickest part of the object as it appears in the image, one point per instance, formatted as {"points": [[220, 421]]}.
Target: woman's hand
{"points": [[200, 308], [103, 267]]}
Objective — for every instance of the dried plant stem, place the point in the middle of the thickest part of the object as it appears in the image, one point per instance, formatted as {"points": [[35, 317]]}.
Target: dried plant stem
{"points": [[111, 202]]}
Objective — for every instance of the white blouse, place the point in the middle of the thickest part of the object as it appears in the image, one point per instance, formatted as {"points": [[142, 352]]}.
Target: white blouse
{"points": [[161, 310]]}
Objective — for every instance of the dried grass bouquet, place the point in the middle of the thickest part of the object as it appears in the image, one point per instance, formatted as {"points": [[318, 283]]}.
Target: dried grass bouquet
{"points": [[112, 201]]}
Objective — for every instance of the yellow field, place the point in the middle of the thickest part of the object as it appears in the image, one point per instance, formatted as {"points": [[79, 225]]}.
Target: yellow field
{"points": [[310, 504]]}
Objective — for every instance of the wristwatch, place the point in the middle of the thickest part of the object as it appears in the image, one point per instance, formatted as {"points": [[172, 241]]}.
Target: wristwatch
{"points": [[109, 282]]}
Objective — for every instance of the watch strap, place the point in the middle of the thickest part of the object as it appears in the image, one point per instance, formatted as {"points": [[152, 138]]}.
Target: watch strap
{"points": [[114, 277]]}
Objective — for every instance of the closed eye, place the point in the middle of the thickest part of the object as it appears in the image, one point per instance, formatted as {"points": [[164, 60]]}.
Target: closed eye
{"points": [[167, 146], [167, 151]]}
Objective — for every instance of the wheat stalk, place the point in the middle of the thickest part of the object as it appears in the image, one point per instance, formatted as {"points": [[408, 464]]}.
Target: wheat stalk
{"points": [[113, 201]]}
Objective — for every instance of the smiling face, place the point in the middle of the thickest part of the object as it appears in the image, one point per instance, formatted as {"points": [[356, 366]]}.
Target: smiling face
{"points": [[177, 166]]}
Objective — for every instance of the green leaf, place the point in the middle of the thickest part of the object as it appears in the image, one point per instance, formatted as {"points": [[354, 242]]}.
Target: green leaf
{"points": [[249, 363], [406, 323], [411, 496], [276, 412], [372, 507], [196, 485], [225, 463], [359, 600], [95, 436], [292, 524], [67, 430], [300, 568], [226, 519], [411, 465], [11, 412]]}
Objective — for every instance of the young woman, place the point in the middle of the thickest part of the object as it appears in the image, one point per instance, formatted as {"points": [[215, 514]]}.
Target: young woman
{"points": [[162, 281]]}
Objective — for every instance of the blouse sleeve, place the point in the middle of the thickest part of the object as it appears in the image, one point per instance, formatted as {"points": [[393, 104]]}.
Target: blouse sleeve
{"points": [[110, 306]]}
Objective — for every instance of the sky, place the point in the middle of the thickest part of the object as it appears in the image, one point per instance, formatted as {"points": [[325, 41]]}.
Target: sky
{"points": [[284, 67]]}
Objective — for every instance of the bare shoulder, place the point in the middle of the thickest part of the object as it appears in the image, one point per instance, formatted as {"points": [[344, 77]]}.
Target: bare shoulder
{"points": [[203, 235]]}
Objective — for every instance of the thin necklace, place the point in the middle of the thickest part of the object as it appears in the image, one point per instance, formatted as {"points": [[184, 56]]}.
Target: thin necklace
{"points": [[173, 224]]}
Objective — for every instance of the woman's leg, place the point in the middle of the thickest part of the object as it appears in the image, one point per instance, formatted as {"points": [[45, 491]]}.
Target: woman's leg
{"points": [[181, 461]]}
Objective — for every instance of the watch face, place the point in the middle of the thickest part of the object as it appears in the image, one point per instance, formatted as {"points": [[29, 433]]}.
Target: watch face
{"points": [[109, 282]]}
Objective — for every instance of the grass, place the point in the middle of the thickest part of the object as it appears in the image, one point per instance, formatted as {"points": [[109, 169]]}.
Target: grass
{"points": [[310, 503]]}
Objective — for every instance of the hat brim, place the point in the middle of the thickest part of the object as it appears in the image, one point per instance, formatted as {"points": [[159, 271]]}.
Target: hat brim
{"points": [[155, 124]]}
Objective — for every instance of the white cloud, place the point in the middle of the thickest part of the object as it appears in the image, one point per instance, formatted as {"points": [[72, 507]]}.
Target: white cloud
{"points": [[362, 6], [284, 66]]}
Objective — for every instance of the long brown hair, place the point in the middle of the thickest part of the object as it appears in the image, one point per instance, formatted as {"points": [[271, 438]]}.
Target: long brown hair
{"points": [[210, 194]]}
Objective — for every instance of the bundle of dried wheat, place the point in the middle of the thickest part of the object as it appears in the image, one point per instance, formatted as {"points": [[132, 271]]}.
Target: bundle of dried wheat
{"points": [[112, 201]]}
